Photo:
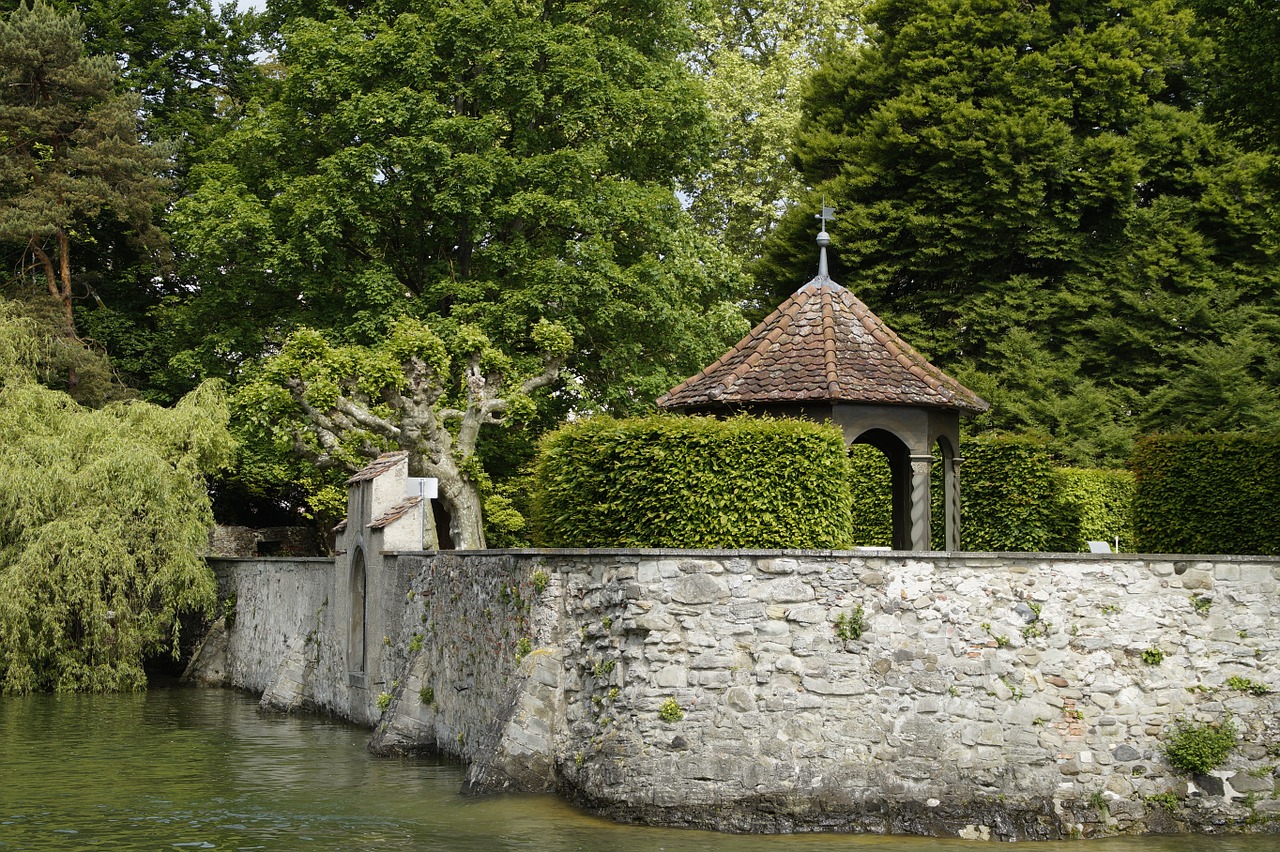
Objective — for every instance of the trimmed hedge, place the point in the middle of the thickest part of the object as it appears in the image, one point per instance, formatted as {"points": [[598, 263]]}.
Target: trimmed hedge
{"points": [[1103, 501], [696, 482], [1010, 497], [871, 484], [1217, 493], [1013, 498]]}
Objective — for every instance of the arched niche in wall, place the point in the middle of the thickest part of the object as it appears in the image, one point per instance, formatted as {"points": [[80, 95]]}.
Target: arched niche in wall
{"points": [[356, 635]]}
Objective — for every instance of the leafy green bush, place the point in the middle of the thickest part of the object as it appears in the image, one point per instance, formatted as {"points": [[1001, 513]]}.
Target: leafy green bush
{"points": [[673, 481], [1207, 494], [1200, 748], [1011, 498], [1103, 500]]}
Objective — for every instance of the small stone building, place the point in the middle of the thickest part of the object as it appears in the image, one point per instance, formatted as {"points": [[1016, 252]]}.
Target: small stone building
{"points": [[382, 520], [823, 355]]}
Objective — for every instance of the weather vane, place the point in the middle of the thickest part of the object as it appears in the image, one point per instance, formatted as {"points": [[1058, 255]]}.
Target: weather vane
{"points": [[827, 214], [824, 239]]}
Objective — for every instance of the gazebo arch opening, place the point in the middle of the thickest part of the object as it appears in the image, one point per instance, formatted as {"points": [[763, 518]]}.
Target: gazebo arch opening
{"points": [[898, 455]]}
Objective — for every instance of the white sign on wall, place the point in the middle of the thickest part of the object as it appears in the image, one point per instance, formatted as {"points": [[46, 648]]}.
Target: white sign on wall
{"points": [[427, 487]]}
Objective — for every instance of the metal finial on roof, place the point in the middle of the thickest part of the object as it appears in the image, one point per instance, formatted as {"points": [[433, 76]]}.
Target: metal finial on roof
{"points": [[824, 239]]}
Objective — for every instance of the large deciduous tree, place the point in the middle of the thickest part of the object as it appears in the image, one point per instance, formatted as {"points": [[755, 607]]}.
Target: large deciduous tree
{"points": [[70, 152], [1028, 192], [469, 164], [754, 58], [490, 162], [104, 523], [416, 391]]}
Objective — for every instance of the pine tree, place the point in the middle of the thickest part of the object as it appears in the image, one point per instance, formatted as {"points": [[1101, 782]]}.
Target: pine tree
{"points": [[71, 154], [1029, 193]]}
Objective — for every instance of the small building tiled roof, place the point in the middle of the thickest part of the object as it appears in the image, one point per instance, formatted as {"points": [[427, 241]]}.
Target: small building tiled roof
{"points": [[377, 467], [395, 513], [822, 344]]}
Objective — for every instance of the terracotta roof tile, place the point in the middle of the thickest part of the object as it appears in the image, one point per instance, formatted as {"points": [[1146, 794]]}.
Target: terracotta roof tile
{"points": [[823, 344], [395, 513], [377, 467]]}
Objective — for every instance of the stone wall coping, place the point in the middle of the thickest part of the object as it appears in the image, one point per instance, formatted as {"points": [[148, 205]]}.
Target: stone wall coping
{"points": [[660, 552], [325, 560]]}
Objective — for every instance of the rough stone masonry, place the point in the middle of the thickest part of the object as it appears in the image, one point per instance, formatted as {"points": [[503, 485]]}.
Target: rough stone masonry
{"points": [[1009, 696]]}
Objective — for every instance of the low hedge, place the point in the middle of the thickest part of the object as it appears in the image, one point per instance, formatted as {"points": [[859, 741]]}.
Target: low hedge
{"points": [[1013, 498], [1103, 502], [696, 482], [1216, 493]]}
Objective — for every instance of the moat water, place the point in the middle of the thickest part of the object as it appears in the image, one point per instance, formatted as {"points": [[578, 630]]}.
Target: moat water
{"points": [[186, 768]]}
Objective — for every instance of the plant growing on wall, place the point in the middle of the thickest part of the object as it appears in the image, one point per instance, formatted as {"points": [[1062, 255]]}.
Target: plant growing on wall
{"points": [[1200, 748], [670, 711], [851, 626]]}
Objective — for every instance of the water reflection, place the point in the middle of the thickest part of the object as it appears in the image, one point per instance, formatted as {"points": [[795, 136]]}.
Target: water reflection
{"points": [[183, 768]]}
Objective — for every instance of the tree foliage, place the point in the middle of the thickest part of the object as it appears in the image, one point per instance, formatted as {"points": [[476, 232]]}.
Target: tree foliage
{"points": [[104, 522], [1028, 192], [70, 152], [754, 58], [341, 406], [489, 163], [1243, 90]]}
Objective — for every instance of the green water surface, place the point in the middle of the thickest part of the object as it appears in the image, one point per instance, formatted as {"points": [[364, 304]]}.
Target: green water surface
{"points": [[187, 768]]}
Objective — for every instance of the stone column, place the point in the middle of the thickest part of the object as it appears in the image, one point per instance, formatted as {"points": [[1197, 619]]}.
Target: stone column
{"points": [[920, 502], [952, 489]]}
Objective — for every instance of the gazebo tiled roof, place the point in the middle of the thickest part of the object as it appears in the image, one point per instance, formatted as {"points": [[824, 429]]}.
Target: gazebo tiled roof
{"points": [[822, 345]]}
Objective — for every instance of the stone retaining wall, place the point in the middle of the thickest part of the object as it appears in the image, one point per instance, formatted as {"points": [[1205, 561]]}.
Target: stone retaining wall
{"points": [[987, 695]]}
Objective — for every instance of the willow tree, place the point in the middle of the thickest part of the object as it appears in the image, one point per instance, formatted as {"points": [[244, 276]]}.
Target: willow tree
{"points": [[70, 151], [104, 521], [417, 391]]}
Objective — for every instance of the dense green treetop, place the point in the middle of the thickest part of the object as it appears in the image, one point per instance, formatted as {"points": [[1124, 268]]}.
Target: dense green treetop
{"points": [[1028, 193], [70, 152], [492, 163], [754, 59], [1244, 88]]}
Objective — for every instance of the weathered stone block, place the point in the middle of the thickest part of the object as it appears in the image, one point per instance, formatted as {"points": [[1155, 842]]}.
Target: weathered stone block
{"points": [[699, 589], [787, 590]]}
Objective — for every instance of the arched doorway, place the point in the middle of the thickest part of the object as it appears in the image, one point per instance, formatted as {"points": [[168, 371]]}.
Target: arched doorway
{"points": [[898, 456], [356, 636]]}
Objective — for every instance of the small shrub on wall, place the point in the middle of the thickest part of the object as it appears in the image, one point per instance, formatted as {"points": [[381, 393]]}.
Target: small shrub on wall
{"points": [[673, 481], [1207, 494]]}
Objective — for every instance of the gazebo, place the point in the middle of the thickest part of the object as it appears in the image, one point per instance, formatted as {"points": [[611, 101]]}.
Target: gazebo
{"points": [[823, 355]]}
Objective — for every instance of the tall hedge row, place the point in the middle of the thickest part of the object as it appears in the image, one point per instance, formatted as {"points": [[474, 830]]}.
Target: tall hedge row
{"points": [[673, 481], [871, 484], [1208, 494], [1013, 499], [1010, 499]]}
